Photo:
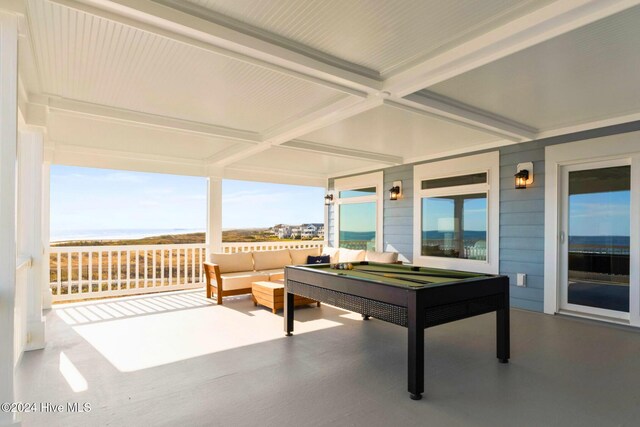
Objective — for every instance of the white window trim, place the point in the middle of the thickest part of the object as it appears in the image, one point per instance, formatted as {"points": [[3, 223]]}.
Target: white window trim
{"points": [[598, 149], [487, 162], [376, 180]]}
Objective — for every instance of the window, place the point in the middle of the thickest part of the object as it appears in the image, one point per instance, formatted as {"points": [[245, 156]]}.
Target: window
{"points": [[457, 213], [455, 226], [358, 212]]}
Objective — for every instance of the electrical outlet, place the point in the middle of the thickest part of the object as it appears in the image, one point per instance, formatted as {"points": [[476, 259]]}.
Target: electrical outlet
{"points": [[521, 280]]}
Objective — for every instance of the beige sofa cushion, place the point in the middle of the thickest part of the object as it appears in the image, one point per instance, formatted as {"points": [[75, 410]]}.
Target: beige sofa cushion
{"points": [[241, 280], [385, 257], [275, 274], [333, 253], [269, 260], [230, 263], [351, 255], [299, 256]]}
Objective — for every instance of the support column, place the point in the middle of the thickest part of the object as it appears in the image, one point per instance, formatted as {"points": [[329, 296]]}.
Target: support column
{"points": [[47, 298], [214, 215], [8, 155], [29, 237]]}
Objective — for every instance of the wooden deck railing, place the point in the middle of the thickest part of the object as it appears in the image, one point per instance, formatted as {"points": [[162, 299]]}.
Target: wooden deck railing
{"points": [[84, 272]]}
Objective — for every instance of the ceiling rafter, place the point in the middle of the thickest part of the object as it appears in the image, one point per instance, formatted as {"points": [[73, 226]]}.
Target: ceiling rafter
{"points": [[317, 147], [329, 114], [444, 108], [543, 24], [245, 28], [123, 115]]}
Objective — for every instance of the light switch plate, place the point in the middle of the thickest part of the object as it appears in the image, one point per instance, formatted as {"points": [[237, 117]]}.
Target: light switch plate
{"points": [[521, 280]]}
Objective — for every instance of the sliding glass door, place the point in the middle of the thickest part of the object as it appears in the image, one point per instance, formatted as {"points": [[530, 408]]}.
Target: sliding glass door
{"points": [[595, 238]]}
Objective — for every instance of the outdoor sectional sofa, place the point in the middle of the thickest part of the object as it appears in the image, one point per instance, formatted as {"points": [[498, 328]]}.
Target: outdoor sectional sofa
{"points": [[233, 274]]}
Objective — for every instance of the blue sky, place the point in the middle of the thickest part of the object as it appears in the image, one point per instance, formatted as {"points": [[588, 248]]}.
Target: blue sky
{"points": [[358, 217], [88, 199], [435, 209], [600, 214]]}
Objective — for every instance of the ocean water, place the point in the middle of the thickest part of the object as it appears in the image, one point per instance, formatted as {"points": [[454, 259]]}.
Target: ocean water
{"points": [[133, 233]]}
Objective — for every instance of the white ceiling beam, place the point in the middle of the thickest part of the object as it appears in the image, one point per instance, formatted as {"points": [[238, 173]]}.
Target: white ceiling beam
{"points": [[321, 117], [123, 115], [324, 116], [543, 24], [74, 155], [597, 124], [316, 147], [266, 174], [155, 18], [459, 113]]}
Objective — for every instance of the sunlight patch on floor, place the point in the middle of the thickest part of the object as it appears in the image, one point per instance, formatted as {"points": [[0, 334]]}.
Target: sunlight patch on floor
{"points": [[72, 375], [144, 341]]}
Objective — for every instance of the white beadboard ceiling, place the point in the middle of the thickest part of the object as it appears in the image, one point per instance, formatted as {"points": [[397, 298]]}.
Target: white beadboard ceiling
{"points": [[295, 162], [393, 131], [92, 132], [271, 71], [87, 58], [381, 36], [588, 74]]}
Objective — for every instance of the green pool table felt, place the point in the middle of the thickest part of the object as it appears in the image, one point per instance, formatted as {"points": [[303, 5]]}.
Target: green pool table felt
{"points": [[375, 272]]}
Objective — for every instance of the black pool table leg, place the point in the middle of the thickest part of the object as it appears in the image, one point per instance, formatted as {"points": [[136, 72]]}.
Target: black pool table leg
{"points": [[502, 332], [288, 313], [416, 320], [365, 317]]}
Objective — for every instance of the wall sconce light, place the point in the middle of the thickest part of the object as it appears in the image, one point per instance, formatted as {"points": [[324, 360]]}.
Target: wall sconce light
{"points": [[395, 191], [524, 175], [328, 199]]}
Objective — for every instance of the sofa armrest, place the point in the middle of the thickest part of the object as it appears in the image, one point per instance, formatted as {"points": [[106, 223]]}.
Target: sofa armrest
{"points": [[212, 272]]}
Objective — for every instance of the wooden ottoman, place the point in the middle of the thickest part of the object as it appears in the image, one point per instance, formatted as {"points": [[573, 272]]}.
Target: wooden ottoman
{"points": [[271, 294]]}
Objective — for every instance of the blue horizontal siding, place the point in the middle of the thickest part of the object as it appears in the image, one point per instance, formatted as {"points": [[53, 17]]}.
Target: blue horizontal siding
{"points": [[398, 214]]}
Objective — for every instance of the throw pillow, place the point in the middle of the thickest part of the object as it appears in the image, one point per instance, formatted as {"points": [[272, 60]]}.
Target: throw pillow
{"points": [[323, 259]]}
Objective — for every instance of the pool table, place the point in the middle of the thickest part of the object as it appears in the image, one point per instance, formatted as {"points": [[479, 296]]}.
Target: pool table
{"points": [[410, 296]]}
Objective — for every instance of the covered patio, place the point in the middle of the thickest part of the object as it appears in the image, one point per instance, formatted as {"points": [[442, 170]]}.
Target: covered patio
{"points": [[156, 365], [459, 135]]}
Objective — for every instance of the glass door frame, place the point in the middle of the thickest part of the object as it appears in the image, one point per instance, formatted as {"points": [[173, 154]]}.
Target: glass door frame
{"points": [[563, 246], [376, 180]]}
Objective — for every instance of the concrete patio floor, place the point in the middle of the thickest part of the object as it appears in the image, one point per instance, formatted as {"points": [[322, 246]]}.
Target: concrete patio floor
{"points": [[178, 359]]}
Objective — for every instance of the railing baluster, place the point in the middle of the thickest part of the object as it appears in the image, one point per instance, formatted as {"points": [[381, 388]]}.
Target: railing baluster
{"points": [[128, 269], [170, 267], [119, 269], [79, 272], [137, 268], [193, 265], [146, 267], [59, 272], [90, 270], [110, 272], [154, 268], [161, 267], [99, 271], [178, 266], [186, 267], [69, 275]]}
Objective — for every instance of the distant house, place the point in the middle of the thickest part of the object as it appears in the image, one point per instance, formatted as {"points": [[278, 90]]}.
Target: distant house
{"points": [[310, 231], [283, 231], [304, 231], [296, 232]]}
